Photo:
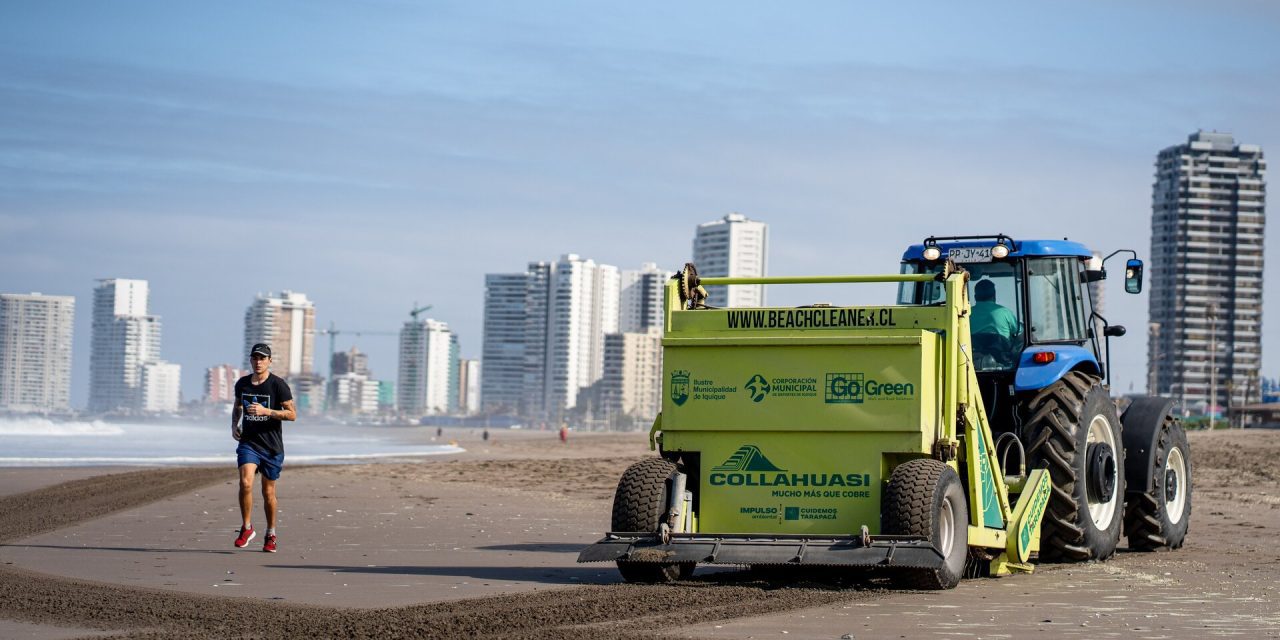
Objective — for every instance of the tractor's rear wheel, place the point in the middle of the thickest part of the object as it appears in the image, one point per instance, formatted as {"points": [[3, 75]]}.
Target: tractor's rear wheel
{"points": [[1074, 432], [1160, 518], [925, 498], [638, 505]]}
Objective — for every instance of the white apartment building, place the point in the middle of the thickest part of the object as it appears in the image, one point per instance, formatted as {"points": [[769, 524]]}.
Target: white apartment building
{"points": [[124, 338], [161, 386], [428, 382], [287, 323], [1205, 292], [640, 306], [353, 393], [35, 352], [732, 246], [572, 303], [468, 386]]}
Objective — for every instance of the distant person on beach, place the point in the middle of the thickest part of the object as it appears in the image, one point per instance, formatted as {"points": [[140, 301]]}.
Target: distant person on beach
{"points": [[263, 400]]}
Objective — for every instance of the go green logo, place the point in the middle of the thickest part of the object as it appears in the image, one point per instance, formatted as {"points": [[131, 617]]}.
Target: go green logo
{"points": [[758, 387]]}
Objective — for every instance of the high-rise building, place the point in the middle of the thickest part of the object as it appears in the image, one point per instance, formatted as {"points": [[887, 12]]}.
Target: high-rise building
{"points": [[732, 246], [641, 299], [468, 386], [220, 383], [428, 382], [161, 386], [572, 303], [308, 393], [632, 384], [1205, 292], [553, 317], [124, 338], [502, 386], [287, 323], [351, 361], [35, 352]]}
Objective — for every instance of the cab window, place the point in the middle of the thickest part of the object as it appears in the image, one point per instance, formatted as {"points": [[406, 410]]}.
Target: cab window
{"points": [[1053, 294]]}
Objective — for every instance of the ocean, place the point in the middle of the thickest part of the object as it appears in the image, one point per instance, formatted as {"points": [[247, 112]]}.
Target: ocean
{"points": [[39, 442]]}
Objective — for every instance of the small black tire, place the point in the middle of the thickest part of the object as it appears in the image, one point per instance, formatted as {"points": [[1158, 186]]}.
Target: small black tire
{"points": [[1159, 519], [925, 498], [1066, 421], [638, 505]]}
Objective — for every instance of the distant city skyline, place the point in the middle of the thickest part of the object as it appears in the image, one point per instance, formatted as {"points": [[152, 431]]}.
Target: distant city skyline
{"points": [[377, 154]]}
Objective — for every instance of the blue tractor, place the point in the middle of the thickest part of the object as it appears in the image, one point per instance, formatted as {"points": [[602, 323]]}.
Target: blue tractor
{"points": [[1040, 351]]}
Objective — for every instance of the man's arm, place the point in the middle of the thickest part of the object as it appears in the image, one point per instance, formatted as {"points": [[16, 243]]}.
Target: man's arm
{"points": [[236, 412], [286, 412]]}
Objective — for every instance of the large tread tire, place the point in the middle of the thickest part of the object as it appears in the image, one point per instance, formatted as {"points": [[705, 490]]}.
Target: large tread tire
{"points": [[1056, 434], [638, 505], [923, 498], [1160, 519]]}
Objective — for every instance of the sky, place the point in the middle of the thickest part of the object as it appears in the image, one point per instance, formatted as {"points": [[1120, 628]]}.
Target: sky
{"points": [[380, 153]]}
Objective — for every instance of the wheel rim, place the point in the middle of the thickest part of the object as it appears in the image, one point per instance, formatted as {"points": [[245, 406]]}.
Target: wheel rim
{"points": [[1175, 479], [1103, 512], [946, 528]]}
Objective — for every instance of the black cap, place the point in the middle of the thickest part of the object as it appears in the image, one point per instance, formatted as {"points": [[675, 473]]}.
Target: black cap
{"points": [[260, 349]]}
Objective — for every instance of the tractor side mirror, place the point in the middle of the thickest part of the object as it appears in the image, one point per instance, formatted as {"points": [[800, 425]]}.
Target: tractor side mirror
{"points": [[1114, 331], [1133, 276]]}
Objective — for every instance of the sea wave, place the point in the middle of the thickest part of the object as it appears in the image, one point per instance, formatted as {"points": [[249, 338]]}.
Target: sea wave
{"points": [[42, 427], [95, 461]]}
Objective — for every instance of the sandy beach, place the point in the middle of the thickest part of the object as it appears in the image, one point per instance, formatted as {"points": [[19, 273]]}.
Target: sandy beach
{"points": [[483, 544]]}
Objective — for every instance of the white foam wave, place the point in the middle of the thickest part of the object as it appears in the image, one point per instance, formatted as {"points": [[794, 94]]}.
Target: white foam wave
{"points": [[94, 461], [42, 427]]}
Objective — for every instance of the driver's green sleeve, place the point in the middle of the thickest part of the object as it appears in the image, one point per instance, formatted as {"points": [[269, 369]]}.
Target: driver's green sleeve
{"points": [[989, 317]]}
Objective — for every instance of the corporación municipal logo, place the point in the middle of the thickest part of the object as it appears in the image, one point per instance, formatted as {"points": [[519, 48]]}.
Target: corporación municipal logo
{"points": [[747, 458], [758, 387], [844, 388], [679, 387]]}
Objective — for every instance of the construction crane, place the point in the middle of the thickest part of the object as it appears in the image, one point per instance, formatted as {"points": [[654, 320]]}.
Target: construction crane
{"points": [[416, 310], [333, 332]]}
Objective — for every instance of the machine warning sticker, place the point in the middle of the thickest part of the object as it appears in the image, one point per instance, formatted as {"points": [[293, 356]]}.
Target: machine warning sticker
{"points": [[854, 388], [823, 318]]}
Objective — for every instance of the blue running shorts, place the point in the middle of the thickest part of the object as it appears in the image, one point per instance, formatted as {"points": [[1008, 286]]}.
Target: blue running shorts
{"points": [[268, 466]]}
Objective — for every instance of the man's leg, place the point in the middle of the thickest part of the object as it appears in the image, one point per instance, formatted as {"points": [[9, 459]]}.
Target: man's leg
{"points": [[246, 491], [269, 501]]}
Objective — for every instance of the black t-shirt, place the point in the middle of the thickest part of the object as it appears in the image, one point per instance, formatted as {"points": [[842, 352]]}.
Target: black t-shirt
{"points": [[263, 432]]}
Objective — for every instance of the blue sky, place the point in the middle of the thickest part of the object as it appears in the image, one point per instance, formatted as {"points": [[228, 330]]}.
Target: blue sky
{"points": [[372, 154]]}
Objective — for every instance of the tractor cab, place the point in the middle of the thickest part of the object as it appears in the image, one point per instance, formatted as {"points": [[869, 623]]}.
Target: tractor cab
{"points": [[1032, 317]]}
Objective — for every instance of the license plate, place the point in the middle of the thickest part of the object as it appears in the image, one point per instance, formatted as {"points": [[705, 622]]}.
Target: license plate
{"points": [[961, 255]]}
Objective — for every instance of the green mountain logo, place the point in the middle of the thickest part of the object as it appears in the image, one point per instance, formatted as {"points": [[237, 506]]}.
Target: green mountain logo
{"points": [[747, 458]]}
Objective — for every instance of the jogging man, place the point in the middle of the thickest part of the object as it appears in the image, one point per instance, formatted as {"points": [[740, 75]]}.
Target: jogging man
{"points": [[263, 400]]}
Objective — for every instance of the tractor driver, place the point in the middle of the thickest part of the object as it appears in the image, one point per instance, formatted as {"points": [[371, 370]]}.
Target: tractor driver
{"points": [[992, 325]]}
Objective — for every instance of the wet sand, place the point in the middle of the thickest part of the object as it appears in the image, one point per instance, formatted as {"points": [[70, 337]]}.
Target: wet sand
{"points": [[483, 544]]}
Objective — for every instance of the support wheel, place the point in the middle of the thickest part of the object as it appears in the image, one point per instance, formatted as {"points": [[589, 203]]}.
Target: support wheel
{"points": [[1074, 432], [924, 498], [638, 505], [1159, 519]]}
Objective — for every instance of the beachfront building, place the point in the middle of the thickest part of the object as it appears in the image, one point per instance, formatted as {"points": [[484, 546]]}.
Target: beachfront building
{"points": [[160, 386], [502, 352], [552, 320], [732, 246], [124, 338], [468, 386], [640, 304], [220, 383], [287, 323], [631, 391], [353, 393], [35, 352], [428, 380], [1205, 292], [350, 361]]}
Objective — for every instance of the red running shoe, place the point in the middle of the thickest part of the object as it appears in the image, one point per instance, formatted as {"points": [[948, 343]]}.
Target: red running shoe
{"points": [[269, 546], [246, 534]]}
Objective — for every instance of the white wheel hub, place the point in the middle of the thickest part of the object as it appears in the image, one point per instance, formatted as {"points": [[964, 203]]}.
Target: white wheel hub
{"points": [[1103, 512], [1175, 490]]}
